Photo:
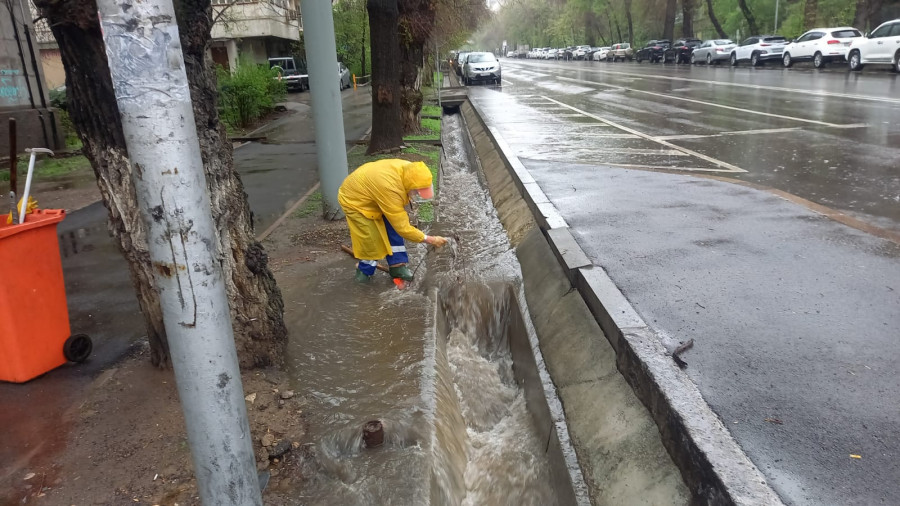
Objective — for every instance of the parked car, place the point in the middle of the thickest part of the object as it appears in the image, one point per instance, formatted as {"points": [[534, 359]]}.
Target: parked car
{"points": [[481, 67], [460, 62], [295, 78], [712, 51], [758, 49], [621, 51], [580, 52], [881, 47], [654, 51], [680, 51], [821, 46], [344, 76], [551, 54], [511, 54], [601, 54]]}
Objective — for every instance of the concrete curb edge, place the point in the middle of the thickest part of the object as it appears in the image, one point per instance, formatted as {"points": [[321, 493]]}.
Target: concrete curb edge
{"points": [[712, 464]]}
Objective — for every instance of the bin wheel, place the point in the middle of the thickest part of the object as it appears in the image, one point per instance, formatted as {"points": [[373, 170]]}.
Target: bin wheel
{"points": [[77, 348]]}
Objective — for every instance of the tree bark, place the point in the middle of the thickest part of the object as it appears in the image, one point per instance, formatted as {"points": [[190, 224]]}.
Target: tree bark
{"points": [[255, 301], [387, 129], [714, 20], [669, 26], [861, 17], [630, 22], [809, 14], [687, 24], [416, 23], [748, 14]]}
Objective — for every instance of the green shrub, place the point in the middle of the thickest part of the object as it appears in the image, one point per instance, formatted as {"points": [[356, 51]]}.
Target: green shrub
{"points": [[248, 94]]}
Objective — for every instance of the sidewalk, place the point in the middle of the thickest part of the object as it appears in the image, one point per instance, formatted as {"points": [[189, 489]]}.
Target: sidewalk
{"points": [[793, 318], [110, 425]]}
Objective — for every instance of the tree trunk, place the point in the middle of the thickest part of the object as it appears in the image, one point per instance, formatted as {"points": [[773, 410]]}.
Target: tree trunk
{"points": [[751, 20], [862, 14], [416, 23], [714, 20], [630, 22], [687, 24], [590, 31], [873, 14], [809, 14], [387, 131], [669, 26], [363, 44], [255, 301]]}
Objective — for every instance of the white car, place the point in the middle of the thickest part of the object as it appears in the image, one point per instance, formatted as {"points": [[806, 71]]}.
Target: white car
{"points": [[481, 67], [601, 54], [551, 54], [758, 49], [881, 47], [511, 54], [580, 51], [820, 45]]}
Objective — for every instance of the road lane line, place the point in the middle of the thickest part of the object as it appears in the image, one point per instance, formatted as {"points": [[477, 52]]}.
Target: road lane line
{"points": [[713, 104], [725, 165], [508, 82], [751, 86], [722, 134]]}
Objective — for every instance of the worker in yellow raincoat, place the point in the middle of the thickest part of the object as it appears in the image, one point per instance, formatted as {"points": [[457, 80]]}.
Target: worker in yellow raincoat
{"points": [[373, 198]]}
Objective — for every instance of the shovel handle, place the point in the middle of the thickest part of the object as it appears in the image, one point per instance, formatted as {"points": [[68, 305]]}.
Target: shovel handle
{"points": [[346, 249]]}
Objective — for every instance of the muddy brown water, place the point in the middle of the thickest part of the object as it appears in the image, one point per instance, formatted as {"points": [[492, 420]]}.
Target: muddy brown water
{"points": [[433, 363]]}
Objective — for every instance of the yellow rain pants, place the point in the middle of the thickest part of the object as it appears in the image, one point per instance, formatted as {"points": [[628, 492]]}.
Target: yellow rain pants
{"points": [[379, 190]]}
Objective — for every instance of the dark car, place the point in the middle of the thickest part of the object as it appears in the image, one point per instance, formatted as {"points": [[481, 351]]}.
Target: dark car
{"points": [[680, 51], [460, 62], [654, 51]]}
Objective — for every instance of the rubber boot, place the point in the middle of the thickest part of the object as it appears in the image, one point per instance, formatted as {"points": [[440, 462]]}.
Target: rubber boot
{"points": [[401, 272], [362, 277]]}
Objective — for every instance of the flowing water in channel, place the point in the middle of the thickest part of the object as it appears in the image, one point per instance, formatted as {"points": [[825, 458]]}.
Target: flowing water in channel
{"points": [[458, 431]]}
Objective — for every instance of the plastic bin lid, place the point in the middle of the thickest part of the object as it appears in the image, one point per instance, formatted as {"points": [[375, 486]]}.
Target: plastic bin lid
{"points": [[38, 218]]}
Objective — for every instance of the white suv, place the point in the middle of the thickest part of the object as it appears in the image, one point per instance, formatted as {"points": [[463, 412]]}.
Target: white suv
{"points": [[580, 51], [881, 47], [758, 49], [820, 45]]}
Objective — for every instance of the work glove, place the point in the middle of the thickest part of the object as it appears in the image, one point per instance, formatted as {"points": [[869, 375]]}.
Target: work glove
{"points": [[436, 240]]}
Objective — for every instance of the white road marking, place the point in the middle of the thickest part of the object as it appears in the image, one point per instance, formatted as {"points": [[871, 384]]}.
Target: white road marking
{"points": [[725, 165], [713, 104], [508, 82], [722, 134], [753, 86]]}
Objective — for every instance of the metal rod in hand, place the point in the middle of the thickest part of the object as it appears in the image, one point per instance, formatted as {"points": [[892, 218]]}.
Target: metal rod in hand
{"points": [[148, 74]]}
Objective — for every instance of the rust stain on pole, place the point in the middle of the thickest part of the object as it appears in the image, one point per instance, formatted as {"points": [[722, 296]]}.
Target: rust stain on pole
{"points": [[373, 434]]}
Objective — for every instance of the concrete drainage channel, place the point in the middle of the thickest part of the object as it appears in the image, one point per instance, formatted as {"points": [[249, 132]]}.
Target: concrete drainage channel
{"points": [[641, 431]]}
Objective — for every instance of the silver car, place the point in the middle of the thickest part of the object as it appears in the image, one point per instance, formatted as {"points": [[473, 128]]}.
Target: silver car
{"points": [[344, 76], [712, 51], [481, 67]]}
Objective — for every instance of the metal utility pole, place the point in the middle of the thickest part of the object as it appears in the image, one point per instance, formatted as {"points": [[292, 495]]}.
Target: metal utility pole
{"points": [[148, 74], [324, 87]]}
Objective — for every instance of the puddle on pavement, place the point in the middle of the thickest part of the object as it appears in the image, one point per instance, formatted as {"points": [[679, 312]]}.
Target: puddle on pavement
{"points": [[432, 362]]}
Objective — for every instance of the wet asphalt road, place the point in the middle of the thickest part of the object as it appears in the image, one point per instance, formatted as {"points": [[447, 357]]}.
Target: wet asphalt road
{"points": [[100, 295], [795, 316]]}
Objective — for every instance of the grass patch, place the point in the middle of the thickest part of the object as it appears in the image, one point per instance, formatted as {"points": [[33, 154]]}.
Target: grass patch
{"points": [[48, 168], [312, 205], [431, 110], [431, 131]]}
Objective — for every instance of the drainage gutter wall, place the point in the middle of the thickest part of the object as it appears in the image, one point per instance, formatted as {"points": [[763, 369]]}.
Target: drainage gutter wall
{"points": [[626, 451]]}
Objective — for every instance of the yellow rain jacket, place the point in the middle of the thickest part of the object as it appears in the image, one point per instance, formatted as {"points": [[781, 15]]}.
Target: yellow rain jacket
{"points": [[381, 189]]}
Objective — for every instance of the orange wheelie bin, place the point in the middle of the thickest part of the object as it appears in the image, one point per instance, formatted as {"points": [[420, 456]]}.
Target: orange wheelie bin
{"points": [[34, 317]]}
